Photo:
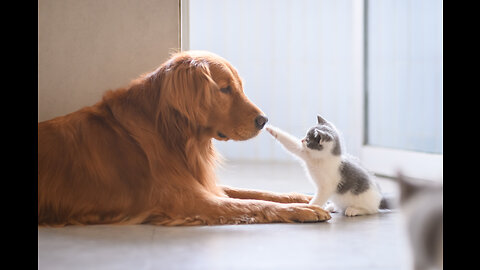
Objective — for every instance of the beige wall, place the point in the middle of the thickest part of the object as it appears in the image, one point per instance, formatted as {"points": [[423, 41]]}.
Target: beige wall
{"points": [[87, 47]]}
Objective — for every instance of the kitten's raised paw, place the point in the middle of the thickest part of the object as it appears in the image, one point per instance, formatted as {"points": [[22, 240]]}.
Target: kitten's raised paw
{"points": [[271, 130]]}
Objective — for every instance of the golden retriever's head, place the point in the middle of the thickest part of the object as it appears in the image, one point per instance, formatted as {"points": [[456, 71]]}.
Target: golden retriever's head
{"points": [[208, 91]]}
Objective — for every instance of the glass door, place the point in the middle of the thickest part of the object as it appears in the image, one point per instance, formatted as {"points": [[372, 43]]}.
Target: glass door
{"points": [[404, 87]]}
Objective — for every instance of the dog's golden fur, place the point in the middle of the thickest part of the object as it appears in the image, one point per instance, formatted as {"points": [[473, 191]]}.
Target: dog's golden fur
{"points": [[144, 154]]}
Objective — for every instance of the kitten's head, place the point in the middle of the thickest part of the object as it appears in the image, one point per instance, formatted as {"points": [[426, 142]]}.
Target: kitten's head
{"points": [[323, 139]]}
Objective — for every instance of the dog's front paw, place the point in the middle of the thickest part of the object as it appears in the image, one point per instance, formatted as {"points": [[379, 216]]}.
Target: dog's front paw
{"points": [[298, 212], [299, 198]]}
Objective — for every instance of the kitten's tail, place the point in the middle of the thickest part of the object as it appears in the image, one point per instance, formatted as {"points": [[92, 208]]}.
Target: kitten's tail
{"points": [[388, 202]]}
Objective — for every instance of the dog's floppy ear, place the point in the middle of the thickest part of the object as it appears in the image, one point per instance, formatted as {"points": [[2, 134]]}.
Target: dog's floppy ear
{"points": [[188, 88]]}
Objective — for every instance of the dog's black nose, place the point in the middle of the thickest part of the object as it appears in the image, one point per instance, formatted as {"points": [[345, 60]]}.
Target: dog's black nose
{"points": [[260, 121]]}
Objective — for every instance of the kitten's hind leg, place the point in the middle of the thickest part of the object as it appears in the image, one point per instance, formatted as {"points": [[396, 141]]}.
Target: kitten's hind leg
{"points": [[357, 211]]}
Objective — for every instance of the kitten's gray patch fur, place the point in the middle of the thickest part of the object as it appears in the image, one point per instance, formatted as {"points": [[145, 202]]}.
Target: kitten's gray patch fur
{"points": [[324, 131], [354, 178], [331, 130], [337, 150], [313, 139]]}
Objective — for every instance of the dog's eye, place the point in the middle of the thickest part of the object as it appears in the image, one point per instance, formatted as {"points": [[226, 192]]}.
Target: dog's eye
{"points": [[226, 90]]}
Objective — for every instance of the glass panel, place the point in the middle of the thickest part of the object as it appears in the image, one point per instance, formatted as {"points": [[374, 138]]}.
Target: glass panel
{"points": [[405, 74]]}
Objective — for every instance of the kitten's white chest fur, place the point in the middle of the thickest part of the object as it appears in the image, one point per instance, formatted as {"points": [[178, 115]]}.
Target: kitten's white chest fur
{"points": [[324, 175]]}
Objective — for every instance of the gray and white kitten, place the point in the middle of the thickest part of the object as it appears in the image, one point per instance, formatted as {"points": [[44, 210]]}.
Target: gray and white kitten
{"points": [[337, 176]]}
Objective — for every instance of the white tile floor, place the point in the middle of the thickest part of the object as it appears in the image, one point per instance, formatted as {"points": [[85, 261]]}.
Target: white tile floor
{"points": [[366, 242]]}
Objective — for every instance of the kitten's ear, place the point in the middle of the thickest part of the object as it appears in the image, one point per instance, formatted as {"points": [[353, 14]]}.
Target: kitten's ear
{"points": [[317, 135], [320, 120], [322, 136]]}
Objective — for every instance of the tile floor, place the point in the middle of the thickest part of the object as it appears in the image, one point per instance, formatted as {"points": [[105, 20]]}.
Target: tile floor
{"points": [[366, 242]]}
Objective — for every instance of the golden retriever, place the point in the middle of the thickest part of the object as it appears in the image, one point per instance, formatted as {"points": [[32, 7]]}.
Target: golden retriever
{"points": [[144, 153]]}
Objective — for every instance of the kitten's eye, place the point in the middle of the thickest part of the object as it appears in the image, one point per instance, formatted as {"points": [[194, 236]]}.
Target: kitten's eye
{"points": [[226, 90]]}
